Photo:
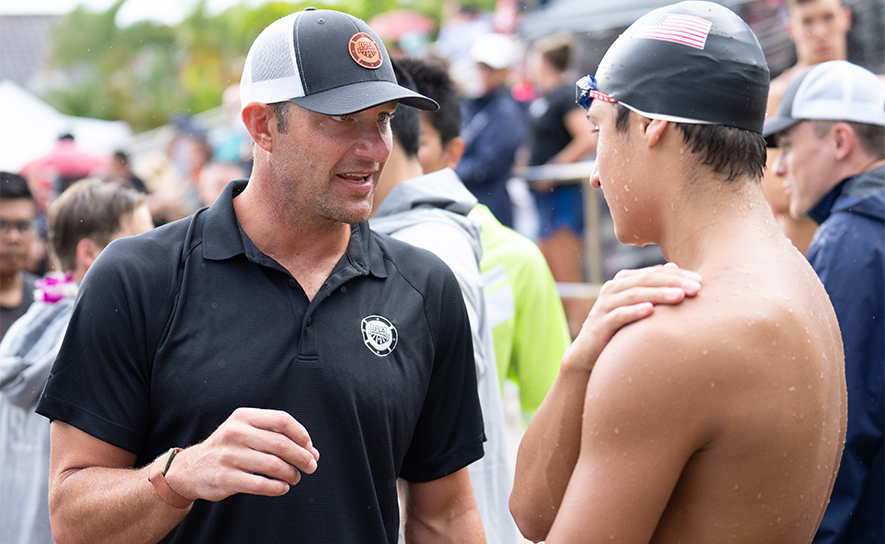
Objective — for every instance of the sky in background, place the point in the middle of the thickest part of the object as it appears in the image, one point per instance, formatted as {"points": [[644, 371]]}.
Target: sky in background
{"points": [[165, 11]]}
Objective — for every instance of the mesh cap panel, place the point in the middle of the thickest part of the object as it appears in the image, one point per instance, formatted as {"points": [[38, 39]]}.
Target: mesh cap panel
{"points": [[326, 61]]}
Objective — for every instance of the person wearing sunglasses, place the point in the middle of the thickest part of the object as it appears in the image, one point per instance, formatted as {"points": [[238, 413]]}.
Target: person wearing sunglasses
{"points": [[689, 414]]}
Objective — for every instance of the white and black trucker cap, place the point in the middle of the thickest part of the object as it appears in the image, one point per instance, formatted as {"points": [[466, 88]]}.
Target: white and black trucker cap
{"points": [[325, 61], [834, 91]]}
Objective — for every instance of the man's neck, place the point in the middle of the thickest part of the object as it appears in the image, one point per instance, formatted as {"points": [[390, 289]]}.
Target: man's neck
{"points": [[309, 250], [11, 289], [704, 228], [854, 165]]}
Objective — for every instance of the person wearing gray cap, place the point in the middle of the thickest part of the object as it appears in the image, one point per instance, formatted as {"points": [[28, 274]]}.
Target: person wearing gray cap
{"points": [[830, 127], [718, 412], [208, 363]]}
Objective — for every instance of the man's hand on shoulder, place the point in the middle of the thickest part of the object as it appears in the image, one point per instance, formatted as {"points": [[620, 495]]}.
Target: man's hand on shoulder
{"points": [[630, 296]]}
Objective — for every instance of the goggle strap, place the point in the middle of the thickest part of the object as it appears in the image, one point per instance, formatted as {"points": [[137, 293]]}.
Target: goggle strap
{"points": [[601, 96]]}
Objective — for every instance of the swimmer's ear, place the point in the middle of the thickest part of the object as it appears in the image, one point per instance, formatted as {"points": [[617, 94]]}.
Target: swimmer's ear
{"points": [[257, 118], [653, 129]]}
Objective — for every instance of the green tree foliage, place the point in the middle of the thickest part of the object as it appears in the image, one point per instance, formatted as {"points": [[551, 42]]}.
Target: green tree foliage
{"points": [[147, 72]]}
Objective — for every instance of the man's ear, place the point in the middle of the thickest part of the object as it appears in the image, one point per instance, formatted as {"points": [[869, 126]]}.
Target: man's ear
{"points": [[257, 118], [454, 151], [653, 129], [844, 139], [87, 252]]}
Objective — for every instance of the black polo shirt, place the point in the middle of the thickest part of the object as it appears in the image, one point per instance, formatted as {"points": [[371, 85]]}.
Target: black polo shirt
{"points": [[176, 328]]}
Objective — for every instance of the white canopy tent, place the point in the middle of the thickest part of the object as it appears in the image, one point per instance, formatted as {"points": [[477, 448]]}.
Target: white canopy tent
{"points": [[29, 129]]}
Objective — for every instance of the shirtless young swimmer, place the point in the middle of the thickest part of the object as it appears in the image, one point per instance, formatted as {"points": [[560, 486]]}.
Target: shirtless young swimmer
{"points": [[721, 418]]}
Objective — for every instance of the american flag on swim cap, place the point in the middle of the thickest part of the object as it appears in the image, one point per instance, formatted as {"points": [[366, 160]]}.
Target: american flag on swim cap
{"points": [[673, 27]]}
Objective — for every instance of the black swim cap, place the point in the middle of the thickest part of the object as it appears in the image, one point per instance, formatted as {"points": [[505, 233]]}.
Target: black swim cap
{"points": [[691, 62]]}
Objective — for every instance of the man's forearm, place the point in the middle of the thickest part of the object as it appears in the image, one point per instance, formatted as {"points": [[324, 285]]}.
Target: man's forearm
{"points": [[548, 453], [464, 527], [109, 505]]}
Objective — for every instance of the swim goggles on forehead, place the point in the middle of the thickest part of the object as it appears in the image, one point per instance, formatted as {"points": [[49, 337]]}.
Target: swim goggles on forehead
{"points": [[586, 92]]}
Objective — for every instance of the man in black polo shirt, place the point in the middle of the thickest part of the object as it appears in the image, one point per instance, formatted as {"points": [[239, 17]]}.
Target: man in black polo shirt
{"points": [[270, 327]]}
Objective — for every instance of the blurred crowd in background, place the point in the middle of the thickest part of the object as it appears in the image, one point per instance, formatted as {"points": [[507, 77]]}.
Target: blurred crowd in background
{"points": [[510, 58]]}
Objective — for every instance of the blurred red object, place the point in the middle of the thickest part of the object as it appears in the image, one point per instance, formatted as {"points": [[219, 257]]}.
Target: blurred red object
{"points": [[66, 160], [392, 25]]}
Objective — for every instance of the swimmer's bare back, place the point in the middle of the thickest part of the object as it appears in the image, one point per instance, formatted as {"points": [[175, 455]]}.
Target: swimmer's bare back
{"points": [[718, 419]]}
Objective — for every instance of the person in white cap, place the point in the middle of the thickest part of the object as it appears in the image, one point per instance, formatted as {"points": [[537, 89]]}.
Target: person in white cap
{"points": [[720, 418], [208, 363], [830, 128], [494, 126]]}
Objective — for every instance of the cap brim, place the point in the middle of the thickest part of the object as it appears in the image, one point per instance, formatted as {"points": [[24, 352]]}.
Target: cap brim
{"points": [[361, 96], [775, 125]]}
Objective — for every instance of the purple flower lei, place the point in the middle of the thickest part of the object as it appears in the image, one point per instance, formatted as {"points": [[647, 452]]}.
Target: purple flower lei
{"points": [[52, 289]]}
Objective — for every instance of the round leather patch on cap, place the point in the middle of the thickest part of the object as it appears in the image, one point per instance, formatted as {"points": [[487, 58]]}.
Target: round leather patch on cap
{"points": [[364, 51]]}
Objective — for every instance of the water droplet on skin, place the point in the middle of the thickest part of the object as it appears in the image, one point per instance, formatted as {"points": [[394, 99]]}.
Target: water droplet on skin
{"points": [[706, 352], [791, 389], [626, 209], [617, 430], [627, 189]]}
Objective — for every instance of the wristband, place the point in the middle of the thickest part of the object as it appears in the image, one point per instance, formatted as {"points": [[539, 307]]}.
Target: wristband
{"points": [[158, 478]]}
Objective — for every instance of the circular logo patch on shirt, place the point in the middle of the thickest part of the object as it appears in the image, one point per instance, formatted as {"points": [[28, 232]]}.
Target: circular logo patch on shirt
{"points": [[364, 51], [379, 335]]}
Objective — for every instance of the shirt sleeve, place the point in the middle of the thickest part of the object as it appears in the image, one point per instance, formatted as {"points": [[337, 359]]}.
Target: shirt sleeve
{"points": [[100, 381], [449, 433], [540, 332]]}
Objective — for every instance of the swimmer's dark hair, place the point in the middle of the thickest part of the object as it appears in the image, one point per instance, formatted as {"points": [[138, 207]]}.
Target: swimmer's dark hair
{"points": [[728, 150]]}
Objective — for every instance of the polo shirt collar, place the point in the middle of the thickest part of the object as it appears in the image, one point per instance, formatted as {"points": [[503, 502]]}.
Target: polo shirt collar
{"points": [[223, 237], [221, 231]]}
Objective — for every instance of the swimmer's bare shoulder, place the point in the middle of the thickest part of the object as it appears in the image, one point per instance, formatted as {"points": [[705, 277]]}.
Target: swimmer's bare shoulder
{"points": [[716, 419]]}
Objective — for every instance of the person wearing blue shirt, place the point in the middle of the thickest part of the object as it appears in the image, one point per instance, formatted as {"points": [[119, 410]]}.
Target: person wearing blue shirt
{"points": [[830, 128], [494, 127]]}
